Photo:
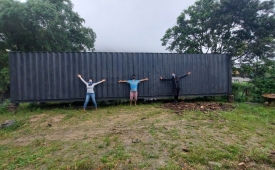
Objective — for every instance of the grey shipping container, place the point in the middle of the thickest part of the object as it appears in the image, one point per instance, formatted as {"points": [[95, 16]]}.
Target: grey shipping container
{"points": [[43, 77]]}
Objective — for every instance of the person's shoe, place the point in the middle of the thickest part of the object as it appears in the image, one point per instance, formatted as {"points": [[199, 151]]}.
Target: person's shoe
{"points": [[84, 110], [95, 108]]}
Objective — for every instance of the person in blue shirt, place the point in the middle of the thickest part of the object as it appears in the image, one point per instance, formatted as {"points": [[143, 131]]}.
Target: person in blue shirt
{"points": [[133, 88]]}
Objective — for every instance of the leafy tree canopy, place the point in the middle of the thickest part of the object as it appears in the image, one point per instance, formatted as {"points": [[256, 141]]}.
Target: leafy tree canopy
{"points": [[43, 25], [40, 25], [242, 28]]}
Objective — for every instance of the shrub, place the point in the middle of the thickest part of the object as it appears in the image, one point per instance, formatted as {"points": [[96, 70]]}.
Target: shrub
{"points": [[262, 86], [239, 91], [3, 106]]}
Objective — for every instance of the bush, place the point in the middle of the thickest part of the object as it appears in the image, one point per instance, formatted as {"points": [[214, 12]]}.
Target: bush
{"points": [[3, 106], [262, 86], [239, 91]]}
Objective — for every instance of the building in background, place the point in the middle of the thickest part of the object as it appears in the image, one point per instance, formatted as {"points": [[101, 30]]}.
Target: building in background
{"points": [[240, 79]]}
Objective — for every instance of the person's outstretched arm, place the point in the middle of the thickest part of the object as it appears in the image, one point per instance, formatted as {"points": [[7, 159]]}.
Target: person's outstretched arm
{"points": [[144, 79], [122, 81], [185, 75], [99, 82], [164, 79], [82, 79]]}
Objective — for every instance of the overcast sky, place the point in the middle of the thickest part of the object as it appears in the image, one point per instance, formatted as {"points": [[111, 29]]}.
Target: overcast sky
{"points": [[130, 25]]}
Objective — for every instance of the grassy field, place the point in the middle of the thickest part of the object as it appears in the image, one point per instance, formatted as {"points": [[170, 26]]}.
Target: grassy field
{"points": [[147, 136]]}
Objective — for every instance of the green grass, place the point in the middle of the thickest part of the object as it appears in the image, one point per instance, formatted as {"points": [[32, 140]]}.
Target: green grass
{"points": [[103, 139]]}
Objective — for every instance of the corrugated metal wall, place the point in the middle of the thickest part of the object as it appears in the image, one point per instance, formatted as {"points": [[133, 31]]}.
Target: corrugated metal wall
{"points": [[53, 76]]}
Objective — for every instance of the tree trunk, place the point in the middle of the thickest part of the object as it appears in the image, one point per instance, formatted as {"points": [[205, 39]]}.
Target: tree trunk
{"points": [[1, 96]]}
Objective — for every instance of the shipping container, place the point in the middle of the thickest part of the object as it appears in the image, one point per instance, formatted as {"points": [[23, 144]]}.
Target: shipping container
{"points": [[49, 76]]}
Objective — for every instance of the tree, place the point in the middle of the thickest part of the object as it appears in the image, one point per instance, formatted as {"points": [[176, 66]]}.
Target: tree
{"points": [[40, 25], [43, 25], [242, 28], [263, 80], [191, 34], [4, 73]]}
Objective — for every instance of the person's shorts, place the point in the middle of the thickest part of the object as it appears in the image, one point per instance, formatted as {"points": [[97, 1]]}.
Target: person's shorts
{"points": [[133, 95]]}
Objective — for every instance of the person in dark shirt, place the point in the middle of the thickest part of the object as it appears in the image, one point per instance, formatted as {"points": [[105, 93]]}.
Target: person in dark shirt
{"points": [[175, 83]]}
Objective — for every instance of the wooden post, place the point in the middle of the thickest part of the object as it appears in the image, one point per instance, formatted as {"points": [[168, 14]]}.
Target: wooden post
{"points": [[230, 98], [12, 107]]}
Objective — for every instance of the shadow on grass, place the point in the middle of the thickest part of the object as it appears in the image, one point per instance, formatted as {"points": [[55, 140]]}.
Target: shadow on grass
{"points": [[107, 103]]}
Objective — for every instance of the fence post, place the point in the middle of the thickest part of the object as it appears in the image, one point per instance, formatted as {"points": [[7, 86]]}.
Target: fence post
{"points": [[230, 98]]}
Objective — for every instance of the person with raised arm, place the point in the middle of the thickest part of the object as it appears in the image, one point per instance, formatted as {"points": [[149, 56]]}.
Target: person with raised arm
{"points": [[90, 91], [133, 88], [175, 84]]}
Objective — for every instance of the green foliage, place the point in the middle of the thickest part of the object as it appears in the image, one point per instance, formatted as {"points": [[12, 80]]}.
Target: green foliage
{"points": [[239, 91], [190, 35], [4, 72], [241, 28], [40, 25], [264, 80], [261, 86], [262, 74], [49, 25], [3, 106]]}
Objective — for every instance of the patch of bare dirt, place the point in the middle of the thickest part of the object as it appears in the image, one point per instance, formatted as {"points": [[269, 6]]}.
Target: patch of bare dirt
{"points": [[111, 125], [56, 118], [203, 107], [45, 120], [36, 118], [129, 127]]}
